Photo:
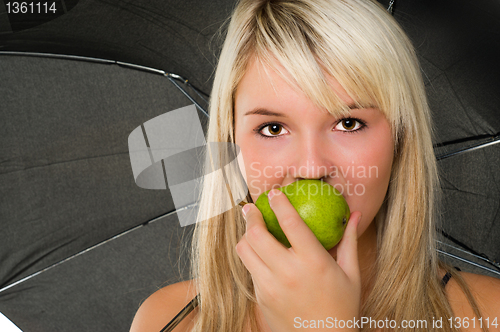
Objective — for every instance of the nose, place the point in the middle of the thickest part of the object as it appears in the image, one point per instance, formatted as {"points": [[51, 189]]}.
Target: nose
{"points": [[312, 159]]}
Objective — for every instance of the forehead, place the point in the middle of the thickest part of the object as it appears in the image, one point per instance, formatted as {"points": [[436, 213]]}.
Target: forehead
{"points": [[270, 83]]}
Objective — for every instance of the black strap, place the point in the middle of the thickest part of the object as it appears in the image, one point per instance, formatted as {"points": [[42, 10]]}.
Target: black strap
{"points": [[181, 315], [447, 277]]}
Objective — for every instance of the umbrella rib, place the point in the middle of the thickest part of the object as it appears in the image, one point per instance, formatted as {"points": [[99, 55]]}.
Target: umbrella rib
{"points": [[95, 246], [390, 8], [493, 140], [468, 250], [169, 76], [467, 261], [198, 91], [466, 139], [469, 253], [60, 56], [123, 64]]}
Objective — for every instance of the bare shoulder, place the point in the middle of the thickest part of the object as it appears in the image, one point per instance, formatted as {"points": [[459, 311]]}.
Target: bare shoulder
{"points": [[486, 292], [159, 308]]}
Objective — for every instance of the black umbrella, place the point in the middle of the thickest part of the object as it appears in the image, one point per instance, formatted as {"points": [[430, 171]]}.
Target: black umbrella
{"points": [[82, 244], [459, 48]]}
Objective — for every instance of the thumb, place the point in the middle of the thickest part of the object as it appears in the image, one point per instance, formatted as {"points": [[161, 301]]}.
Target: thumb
{"points": [[347, 252]]}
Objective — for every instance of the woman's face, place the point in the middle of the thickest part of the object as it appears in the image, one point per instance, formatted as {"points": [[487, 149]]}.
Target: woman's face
{"points": [[284, 137]]}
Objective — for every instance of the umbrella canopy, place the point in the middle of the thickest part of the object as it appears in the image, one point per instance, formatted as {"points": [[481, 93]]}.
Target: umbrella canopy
{"points": [[82, 244], [457, 44]]}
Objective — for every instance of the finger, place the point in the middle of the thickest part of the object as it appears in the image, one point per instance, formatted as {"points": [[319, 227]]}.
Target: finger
{"points": [[300, 236], [347, 252], [250, 259], [264, 244]]}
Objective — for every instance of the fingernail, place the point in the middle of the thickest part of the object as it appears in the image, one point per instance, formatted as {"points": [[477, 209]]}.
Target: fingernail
{"points": [[359, 219], [245, 209], [272, 193]]}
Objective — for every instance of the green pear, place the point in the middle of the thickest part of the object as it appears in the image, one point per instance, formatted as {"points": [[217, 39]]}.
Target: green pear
{"points": [[320, 205]]}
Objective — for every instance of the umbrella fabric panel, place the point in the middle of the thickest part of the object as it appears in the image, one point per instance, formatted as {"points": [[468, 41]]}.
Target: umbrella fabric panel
{"points": [[458, 47], [66, 181], [102, 289], [471, 204], [463, 104], [170, 35]]}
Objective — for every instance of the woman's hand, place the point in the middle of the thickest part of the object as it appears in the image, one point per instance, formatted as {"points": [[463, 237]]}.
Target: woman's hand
{"points": [[304, 282]]}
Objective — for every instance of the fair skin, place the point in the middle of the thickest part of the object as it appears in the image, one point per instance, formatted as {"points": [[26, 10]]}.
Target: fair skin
{"points": [[306, 280]]}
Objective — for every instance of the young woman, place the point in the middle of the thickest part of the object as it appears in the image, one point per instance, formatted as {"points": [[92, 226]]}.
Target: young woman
{"points": [[330, 90]]}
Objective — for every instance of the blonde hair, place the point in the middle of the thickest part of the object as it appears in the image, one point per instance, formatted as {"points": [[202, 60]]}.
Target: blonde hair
{"points": [[359, 44]]}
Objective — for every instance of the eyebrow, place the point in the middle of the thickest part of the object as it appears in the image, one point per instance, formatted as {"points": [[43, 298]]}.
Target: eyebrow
{"points": [[263, 111]]}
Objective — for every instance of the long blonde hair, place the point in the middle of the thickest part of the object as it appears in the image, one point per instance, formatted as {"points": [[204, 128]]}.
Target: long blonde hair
{"points": [[359, 44]]}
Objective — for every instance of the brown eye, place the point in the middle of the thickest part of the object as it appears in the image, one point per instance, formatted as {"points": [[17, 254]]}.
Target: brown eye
{"points": [[273, 129], [349, 124]]}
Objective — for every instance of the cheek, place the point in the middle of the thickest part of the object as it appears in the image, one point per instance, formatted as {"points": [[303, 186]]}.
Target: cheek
{"points": [[371, 179], [376, 167], [262, 172]]}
